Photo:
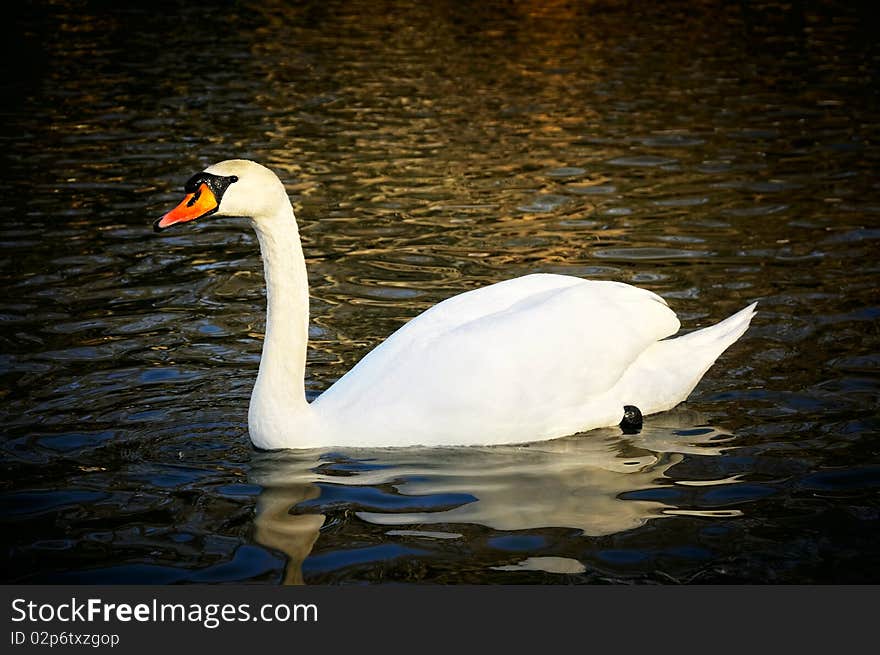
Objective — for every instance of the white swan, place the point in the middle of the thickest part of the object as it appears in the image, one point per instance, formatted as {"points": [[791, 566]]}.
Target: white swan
{"points": [[527, 359]]}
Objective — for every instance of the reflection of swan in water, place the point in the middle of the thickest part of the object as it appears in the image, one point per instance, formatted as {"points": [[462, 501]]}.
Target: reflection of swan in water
{"points": [[286, 481], [577, 482]]}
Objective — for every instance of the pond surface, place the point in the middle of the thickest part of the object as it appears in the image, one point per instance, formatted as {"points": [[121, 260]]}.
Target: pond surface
{"points": [[716, 153]]}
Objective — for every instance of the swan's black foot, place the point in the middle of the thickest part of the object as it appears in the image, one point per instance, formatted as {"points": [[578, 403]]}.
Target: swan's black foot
{"points": [[632, 420]]}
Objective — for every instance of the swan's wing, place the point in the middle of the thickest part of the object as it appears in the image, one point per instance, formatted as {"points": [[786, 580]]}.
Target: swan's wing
{"points": [[473, 305], [455, 312], [511, 351]]}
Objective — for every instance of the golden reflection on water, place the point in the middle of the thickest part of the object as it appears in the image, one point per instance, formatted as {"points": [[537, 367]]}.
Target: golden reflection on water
{"points": [[426, 162]]}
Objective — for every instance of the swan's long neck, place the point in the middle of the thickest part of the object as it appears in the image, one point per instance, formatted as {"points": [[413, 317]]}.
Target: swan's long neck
{"points": [[280, 382]]}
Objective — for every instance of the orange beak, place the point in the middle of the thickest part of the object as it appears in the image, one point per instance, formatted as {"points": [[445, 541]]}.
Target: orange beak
{"points": [[193, 206]]}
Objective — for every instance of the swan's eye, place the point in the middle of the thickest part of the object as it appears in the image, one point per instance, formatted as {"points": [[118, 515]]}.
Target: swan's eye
{"points": [[234, 178]]}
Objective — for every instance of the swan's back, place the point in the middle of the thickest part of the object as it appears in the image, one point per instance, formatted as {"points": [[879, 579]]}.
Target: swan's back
{"points": [[515, 358]]}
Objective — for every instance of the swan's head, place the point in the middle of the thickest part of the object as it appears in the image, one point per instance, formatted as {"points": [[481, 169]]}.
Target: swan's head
{"points": [[236, 187]]}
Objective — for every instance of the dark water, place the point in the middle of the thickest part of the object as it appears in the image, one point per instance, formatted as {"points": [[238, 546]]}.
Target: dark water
{"points": [[716, 153]]}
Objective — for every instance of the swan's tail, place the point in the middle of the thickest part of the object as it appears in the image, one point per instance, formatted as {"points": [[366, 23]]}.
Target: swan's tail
{"points": [[666, 373]]}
